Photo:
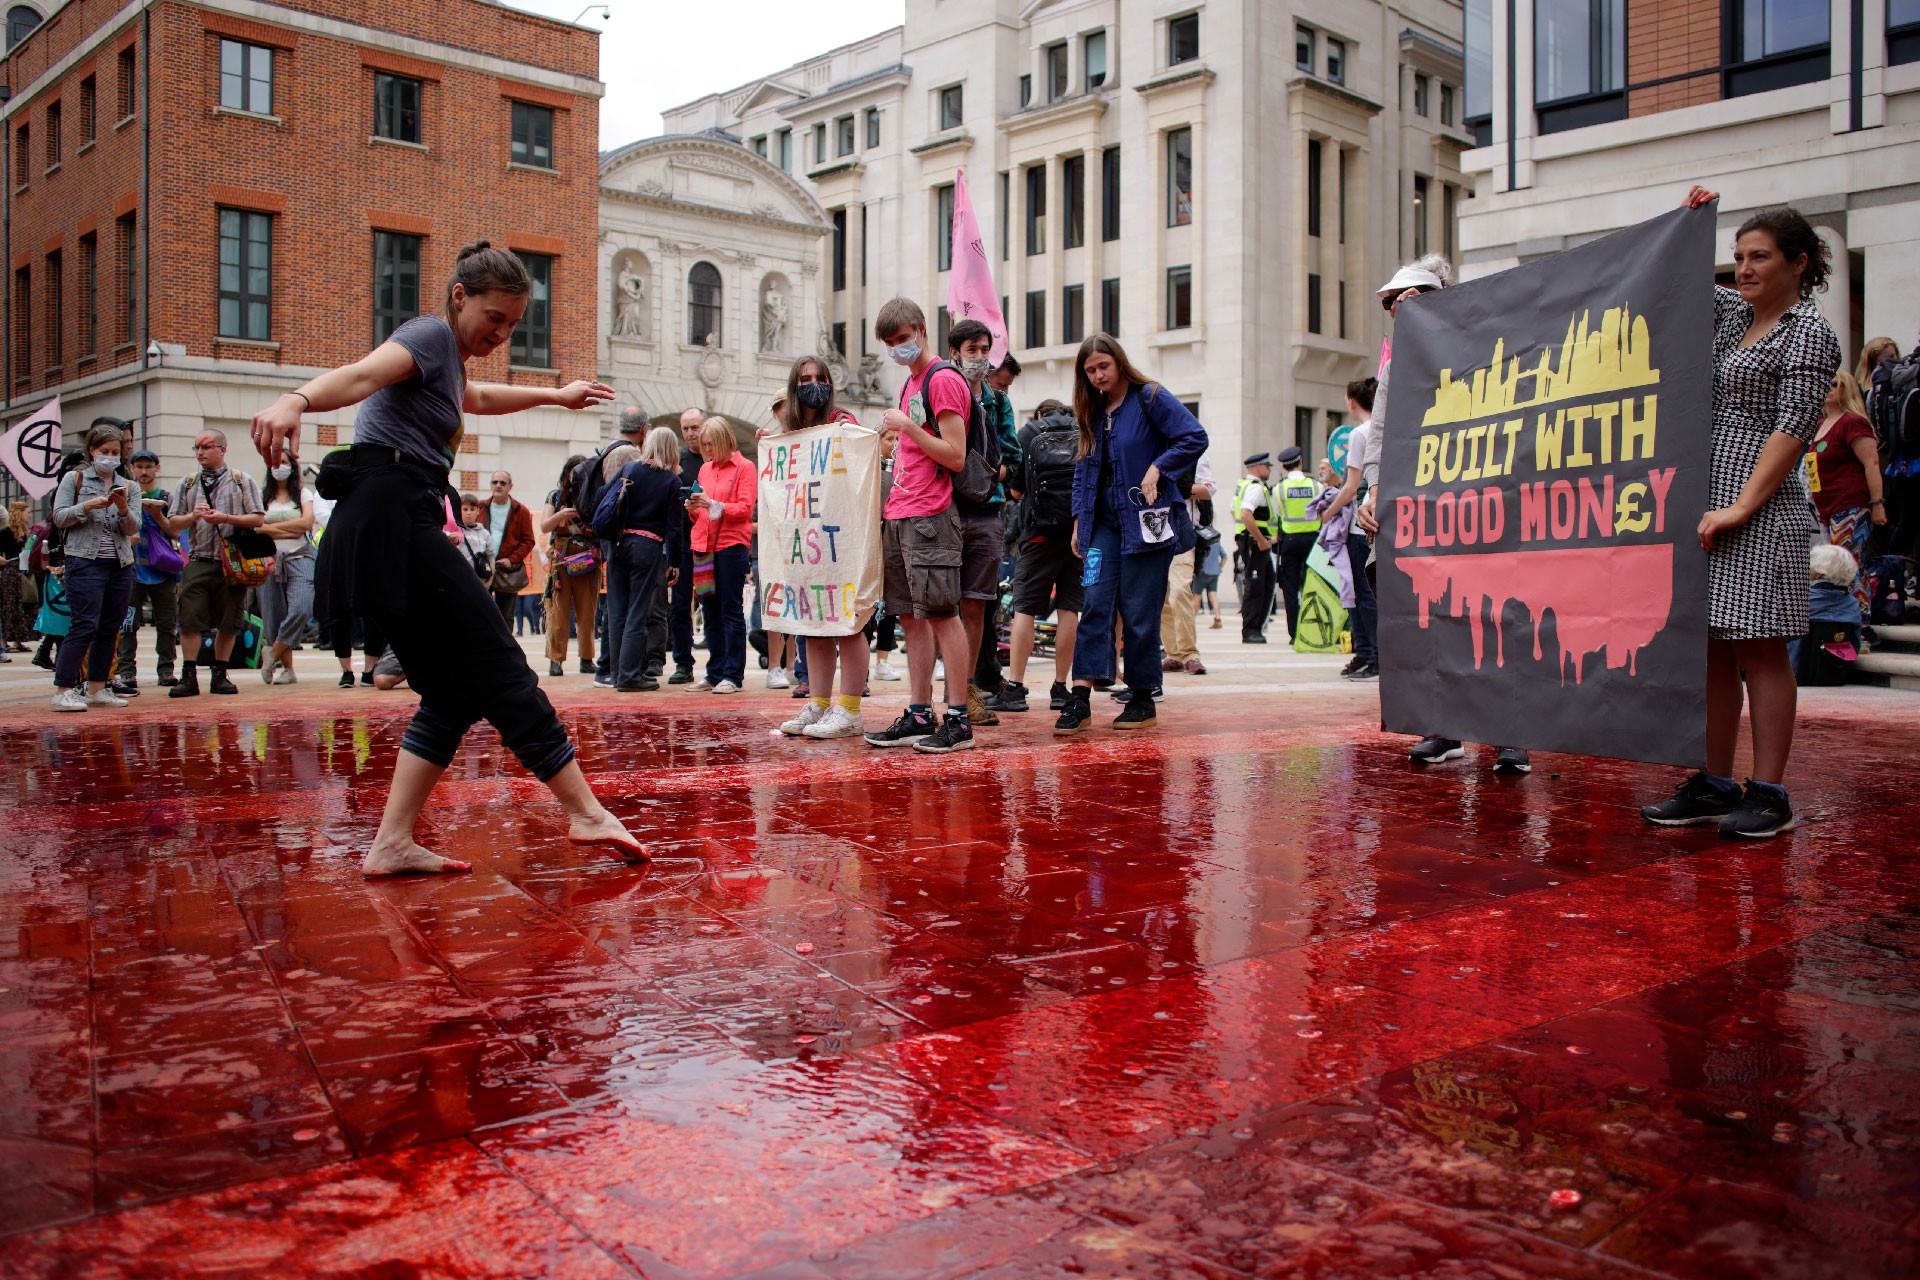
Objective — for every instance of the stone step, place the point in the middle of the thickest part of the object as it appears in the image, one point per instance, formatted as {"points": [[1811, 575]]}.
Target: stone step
{"points": [[1906, 633], [1894, 670]]}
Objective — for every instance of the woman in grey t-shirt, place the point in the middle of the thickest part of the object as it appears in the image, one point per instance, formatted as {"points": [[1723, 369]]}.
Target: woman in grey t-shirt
{"points": [[386, 554]]}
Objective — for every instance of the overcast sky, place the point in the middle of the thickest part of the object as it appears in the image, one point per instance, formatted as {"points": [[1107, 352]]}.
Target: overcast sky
{"points": [[656, 54]]}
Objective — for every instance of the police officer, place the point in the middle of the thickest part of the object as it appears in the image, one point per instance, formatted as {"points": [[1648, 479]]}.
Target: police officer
{"points": [[1299, 530], [1259, 530]]}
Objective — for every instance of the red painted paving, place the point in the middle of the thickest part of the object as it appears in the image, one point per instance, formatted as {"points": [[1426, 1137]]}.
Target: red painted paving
{"points": [[1245, 995]]}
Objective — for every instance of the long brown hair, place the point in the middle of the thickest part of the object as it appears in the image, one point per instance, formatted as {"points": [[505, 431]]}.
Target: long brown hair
{"points": [[794, 416], [1090, 405]]}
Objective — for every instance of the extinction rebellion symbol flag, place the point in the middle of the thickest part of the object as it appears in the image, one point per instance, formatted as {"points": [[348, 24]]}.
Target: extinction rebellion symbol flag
{"points": [[1545, 467]]}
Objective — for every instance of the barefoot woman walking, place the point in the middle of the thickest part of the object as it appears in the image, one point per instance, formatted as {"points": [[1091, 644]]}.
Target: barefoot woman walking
{"points": [[385, 555]]}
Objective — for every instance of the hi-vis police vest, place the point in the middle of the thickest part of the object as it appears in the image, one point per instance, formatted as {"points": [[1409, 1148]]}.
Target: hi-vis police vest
{"points": [[1265, 514], [1295, 492]]}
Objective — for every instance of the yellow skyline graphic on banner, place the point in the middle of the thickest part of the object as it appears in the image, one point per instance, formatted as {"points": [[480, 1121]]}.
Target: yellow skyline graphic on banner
{"points": [[1593, 363]]}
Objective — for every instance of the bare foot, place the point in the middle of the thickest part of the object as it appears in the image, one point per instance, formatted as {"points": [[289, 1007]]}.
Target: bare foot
{"points": [[606, 829], [409, 860]]}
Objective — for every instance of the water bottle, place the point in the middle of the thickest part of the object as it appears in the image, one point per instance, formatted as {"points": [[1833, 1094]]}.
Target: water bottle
{"points": [[1091, 574]]}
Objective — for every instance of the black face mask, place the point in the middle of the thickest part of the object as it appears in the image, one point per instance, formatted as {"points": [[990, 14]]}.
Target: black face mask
{"points": [[814, 395]]}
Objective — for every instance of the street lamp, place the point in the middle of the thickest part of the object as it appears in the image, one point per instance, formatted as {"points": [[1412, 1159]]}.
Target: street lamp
{"points": [[605, 13]]}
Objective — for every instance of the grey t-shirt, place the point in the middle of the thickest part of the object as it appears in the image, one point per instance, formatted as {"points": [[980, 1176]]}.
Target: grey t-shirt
{"points": [[420, 416]]}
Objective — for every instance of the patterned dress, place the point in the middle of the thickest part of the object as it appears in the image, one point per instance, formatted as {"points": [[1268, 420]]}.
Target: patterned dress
{"points": [[1757, 575]]}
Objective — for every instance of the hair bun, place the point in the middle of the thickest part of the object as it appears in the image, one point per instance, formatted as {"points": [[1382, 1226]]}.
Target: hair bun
{"points": [[478, 246]]}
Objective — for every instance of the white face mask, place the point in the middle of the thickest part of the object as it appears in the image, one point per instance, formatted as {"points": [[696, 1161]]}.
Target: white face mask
{"points": [[906, 353], [105, 464], [281, 472], [976, 369]]}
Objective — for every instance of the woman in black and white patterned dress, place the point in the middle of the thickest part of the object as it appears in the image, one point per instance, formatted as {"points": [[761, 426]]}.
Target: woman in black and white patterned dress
{"points": [[1774, 358]]}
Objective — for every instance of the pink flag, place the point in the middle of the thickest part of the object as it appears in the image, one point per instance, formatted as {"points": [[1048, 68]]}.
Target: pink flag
{"points": [[32, 450], [970, 291]]}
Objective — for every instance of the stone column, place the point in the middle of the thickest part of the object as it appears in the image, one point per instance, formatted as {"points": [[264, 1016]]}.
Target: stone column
{"points": [[856, 291], [1095, 189], [1056, 256]]}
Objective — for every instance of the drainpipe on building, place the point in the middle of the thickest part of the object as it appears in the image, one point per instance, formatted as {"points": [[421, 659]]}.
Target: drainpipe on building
{"points": [[146, 211], [6, 242]]}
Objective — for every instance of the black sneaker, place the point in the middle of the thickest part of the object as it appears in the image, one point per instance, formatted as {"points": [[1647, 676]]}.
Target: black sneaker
{"points": [[366, 679], [1694, 801], [124, 689], [954, 734], [1763, 811], [1365, 671], [1435, 750], [1119, 692], [1352, 666], [646, 684], [189, 686], [346, 679], [1138, 714], [220, 683], [1253, 637], [905, 731], [681, 675], [555, 669], [43, 658], [586, 668], [168, 680], [1077, 714], [1009, 697], [1057, 696], [1512, 760]]}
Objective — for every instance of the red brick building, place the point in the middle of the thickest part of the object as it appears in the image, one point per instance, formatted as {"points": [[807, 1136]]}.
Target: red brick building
{"points": [[207, 202]]}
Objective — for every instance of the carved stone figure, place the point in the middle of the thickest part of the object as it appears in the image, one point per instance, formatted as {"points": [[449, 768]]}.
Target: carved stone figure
{"points": [[866, 383], [837, 368], [773, 321], [629, 314]]}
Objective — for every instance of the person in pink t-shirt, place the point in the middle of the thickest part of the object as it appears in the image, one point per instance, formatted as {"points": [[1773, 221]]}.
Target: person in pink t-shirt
{"points": [[921, 536]]}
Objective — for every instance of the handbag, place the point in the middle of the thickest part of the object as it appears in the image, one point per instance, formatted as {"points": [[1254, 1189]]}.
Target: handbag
{"points": [[162, 552], [514, 579], [247, 558], [578, 556]]}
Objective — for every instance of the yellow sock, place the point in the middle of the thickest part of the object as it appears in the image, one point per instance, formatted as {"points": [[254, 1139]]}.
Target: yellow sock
{"points": [[820, 704], [850, 703]]}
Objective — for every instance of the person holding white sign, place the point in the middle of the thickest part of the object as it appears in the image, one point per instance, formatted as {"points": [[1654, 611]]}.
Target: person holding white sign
{"points": [[812, 402]]}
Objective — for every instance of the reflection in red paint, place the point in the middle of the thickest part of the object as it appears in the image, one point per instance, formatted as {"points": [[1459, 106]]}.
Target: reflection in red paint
{"points": [[1612, 598]]}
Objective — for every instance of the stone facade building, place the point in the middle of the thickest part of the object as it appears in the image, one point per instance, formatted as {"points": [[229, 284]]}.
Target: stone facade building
{"points": [[1220, 184], [710, 279], [209, 202], [1592, 115]]}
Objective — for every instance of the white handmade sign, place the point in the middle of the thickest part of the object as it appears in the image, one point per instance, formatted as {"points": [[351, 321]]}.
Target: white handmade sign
{"points": [[820, 570]]}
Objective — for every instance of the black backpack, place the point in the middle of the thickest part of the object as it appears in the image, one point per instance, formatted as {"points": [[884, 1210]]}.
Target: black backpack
{"points": [[586, 482], [1052, 454], [1895, 407]]}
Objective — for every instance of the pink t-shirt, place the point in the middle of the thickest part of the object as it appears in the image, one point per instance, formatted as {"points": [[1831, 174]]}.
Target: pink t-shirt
{"points": [[921, 486]]}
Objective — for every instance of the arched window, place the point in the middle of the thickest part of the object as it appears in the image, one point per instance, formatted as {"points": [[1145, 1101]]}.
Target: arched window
{"points": [[703, 304], [20, 21]]}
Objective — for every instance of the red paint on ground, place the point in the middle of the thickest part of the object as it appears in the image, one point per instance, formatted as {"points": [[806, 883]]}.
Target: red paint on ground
{"points": [[1615, 599], [1158, 1004]]}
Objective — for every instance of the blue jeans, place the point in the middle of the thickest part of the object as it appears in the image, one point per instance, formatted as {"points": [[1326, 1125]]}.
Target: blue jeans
{"points": [[633, 575], [286, 602], [1136, 585], [1365, 614], [726, 617], [97, 595]]}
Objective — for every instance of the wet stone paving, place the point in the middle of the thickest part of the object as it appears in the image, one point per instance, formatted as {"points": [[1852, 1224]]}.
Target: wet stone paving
{"points": [[1239, 996]]}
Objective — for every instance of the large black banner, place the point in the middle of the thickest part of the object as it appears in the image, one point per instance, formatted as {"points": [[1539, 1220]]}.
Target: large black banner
{"points": [[1545, 467]]}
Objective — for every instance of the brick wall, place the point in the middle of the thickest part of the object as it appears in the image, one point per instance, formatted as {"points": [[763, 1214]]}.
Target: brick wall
{"points": [[1670, 38], [314, 170]]}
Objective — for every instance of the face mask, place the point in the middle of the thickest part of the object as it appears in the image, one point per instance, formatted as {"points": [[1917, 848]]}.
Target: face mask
{"points": [[814, 395], [906, 353], [976, 369], [106, 466], [281, 472]]}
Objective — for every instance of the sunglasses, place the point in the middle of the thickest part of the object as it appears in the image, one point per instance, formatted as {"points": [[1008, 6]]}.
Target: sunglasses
{"points": [[500, 484]]}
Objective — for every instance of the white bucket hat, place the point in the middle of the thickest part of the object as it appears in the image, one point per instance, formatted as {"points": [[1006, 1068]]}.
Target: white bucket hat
{"points": [[1410, 278]]}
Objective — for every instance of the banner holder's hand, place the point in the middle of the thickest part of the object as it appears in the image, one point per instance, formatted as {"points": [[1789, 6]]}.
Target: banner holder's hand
{"points": [[1699, 197]]}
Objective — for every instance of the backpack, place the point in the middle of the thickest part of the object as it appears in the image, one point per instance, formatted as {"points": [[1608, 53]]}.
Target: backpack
{"points": [[974, 483], [1053, 453], [607, 516], [586, 482], [1895, 407]]}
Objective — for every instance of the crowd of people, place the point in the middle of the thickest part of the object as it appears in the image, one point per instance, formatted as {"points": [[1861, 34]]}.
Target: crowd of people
{"points": [[1092, 521]]}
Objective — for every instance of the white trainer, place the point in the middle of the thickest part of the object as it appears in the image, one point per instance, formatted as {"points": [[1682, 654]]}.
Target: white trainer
{"points": [[71, 700], [838, 722], [285, 675], [779, 679], [809, 716], [105, 698], [726, 686], [883, 670]]}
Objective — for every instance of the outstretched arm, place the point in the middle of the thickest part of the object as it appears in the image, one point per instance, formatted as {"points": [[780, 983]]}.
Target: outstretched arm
{"points": [[279, 422], [495, 398]]}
